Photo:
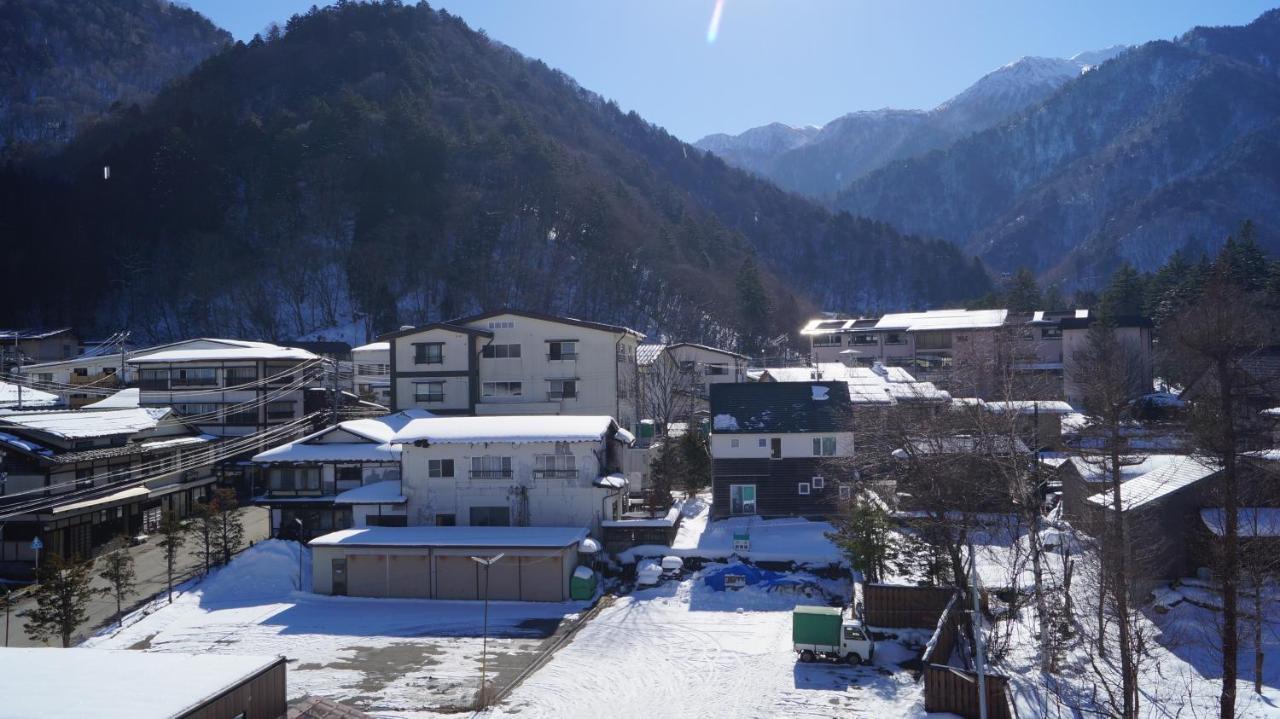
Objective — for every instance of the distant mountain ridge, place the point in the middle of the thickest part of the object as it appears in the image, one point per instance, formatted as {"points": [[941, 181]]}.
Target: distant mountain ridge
{"points": [[819, 162], [384, 164], [1169, 145], [65, 63]]}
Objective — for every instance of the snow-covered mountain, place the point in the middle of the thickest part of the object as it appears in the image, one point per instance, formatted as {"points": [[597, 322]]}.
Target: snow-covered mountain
{"points": [[819, 162]]}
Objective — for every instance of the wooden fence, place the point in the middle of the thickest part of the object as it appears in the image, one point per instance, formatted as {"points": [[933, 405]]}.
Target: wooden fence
{"points": [[900, 607], [952, 689]]}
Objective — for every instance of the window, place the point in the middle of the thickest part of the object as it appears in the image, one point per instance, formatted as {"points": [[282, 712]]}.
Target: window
{"points": [[446, 520], [438, 468], [490, 467], [350, 474], [428, 391], [207, 411], [195, 377], [386, 520], [938, 340], [81, 371], [846, 491], [84, 478], [818, 482], [824, 446], [742, 499], [762, 442], [775, 448], [717, 369], [240, 375], [44, 376], [894, 338], [854, 634], [428, 353], [502, 389], [827, 340], [295, 479], [154, 379], [241, 416], [280, 410], [562, 389], [867, 339], [1051, 333], [490, 517], [802, 488], [733, 443], [502, 325], [562, 349], [500, 352], [561, 465]]}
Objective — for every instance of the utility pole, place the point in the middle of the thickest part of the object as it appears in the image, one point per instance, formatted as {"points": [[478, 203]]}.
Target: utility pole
{"points": [[335, 390], [124, 352], [484, 642], [17, 355], [979, 650]]}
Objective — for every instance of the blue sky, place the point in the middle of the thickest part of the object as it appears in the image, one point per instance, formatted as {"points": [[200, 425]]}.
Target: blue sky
{"points": [[795, 61]]}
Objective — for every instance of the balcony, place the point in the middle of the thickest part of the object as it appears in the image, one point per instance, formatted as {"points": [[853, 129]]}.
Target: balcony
{"points": [[154, 385], [555, 474], [101, 379], [490, 474], [194, 382]]}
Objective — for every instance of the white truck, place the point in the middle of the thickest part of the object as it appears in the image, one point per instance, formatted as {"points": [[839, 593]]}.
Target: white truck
{"points": [[825, 632]]}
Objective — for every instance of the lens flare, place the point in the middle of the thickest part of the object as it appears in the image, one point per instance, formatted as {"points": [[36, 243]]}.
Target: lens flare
{"points": [[713, 30]]}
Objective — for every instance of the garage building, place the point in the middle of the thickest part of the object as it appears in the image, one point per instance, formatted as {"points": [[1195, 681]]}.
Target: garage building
{"points": [[436, 562]]}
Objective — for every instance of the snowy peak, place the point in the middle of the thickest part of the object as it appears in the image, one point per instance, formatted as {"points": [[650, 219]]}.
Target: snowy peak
{"points": [[1093, 58]]}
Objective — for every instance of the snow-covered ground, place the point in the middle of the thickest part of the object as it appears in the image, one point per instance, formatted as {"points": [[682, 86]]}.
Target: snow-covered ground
{"points": [[685, 650], [399, 657]]}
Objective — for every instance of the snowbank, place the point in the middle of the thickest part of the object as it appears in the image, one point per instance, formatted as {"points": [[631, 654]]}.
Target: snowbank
{"points": [[268, 570]]}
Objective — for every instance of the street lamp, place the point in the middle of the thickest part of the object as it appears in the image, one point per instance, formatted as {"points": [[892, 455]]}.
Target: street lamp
{"points": [[484, 642]]}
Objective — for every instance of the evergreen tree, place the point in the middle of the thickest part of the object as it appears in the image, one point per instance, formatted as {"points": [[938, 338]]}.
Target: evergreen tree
{"points": [[666, 472], [1022, 292], [1242, 261], [62, 600], [1124, 293], [173, 534], [117, 570], [864, 535], [205, 530], [754, 309], [228, 523], [695, 454]]}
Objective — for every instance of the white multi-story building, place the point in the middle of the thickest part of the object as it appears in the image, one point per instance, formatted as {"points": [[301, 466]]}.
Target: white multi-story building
{"points": [[511, 362], [227, 387], [536, 471], [371, 365], [676, 379]]}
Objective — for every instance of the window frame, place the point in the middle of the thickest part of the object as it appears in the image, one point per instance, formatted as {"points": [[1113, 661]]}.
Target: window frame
{"points": [[803, 489], [428, 353], [430, 397], [443, 469]]}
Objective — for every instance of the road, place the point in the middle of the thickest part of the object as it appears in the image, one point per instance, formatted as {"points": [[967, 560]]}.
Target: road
{"points": [[149, 566]]}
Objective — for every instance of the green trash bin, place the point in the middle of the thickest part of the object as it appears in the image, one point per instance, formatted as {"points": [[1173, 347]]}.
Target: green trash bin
{"points": [[583, 584]]}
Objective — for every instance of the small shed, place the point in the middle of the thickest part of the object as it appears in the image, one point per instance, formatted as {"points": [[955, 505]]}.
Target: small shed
{"points": [[537, 563], [110, 684]]}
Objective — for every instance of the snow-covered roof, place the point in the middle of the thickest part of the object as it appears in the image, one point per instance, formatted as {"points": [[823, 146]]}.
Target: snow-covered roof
{"points": [[15, 442], [1144, 489], [496, 537], [1130, 467], [170, 442], [879, 385], [124, 399], [648, 353], [1030, 407], [611, 481], [118, 496], [514, 429], [246, 351], [387, 492], [373, 347], [82, 423], [119, 683], [1251, 521], [378, 431], [1272, 412], [30, 397], [942, 320]]}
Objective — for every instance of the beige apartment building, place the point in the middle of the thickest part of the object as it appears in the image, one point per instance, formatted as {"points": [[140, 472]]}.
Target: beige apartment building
{"points": [[511, 362]]}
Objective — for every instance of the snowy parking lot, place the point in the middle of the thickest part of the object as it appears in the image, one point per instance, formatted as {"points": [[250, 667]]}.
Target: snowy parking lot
{"points": [[685, 650], [393, 657]]}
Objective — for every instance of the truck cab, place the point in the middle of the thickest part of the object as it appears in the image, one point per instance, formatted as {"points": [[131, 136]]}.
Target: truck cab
{"points": [[825, 632]]}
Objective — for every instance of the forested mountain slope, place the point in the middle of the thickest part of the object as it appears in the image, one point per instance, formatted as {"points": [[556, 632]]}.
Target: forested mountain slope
{"points": [[384, 164], [64, 63], [1169, 146]]}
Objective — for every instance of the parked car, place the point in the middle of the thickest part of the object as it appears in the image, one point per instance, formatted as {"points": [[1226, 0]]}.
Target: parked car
{"points": [[825, 632]]}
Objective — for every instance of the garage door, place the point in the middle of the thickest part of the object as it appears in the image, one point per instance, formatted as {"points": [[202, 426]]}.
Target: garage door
{"points": [[455, 578], [541, 579], [504, 579], [409, 576], [366, 575]]}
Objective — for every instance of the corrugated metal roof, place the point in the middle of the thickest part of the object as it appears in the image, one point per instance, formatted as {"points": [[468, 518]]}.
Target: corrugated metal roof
{"points": [[1152, 486]]}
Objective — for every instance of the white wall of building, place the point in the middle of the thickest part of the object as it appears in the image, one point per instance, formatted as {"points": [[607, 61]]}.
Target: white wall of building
{"points": [[759, 445]]}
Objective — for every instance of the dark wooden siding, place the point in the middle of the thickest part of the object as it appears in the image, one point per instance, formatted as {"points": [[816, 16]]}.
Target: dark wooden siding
{"points": [[776, 483], [262, 696]]}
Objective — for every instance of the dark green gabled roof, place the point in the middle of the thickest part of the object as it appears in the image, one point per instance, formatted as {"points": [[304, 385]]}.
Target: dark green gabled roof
{"points": [[780, 407]]}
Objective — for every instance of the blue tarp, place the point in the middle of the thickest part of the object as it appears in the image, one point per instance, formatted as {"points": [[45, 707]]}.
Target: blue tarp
{"points": [[753, 575]]}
